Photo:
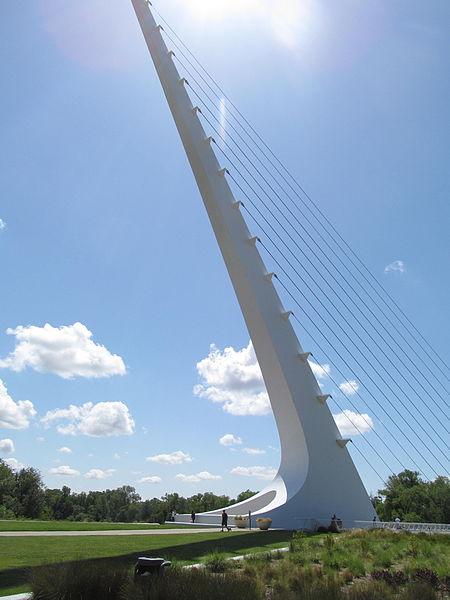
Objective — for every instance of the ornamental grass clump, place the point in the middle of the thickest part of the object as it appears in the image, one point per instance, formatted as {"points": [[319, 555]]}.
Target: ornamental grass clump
{"points": [[374, 590], [191, 584], [417, 591], [217, 563], [76, 580]]}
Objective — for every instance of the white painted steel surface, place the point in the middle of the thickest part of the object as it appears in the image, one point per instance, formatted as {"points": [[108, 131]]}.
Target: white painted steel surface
{"points": [[316, 474]]}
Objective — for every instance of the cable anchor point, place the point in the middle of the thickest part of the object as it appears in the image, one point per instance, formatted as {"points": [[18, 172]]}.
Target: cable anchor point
{"points": [[342, 442], [323, 398], [270, 276], [287, 314]]}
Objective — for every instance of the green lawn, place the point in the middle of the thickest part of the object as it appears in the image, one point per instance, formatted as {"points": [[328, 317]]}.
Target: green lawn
{"points": [[19, 553], [78, 526]]}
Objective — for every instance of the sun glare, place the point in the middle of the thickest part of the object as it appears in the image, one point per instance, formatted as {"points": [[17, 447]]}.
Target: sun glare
{"points": [[219, 9]]}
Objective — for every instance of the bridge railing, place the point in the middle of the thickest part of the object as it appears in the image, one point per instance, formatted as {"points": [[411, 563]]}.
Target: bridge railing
{"points": [[401, 526]]}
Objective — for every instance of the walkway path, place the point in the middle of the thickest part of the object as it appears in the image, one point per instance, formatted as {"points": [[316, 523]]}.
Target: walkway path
{"points": [[111, 532]]}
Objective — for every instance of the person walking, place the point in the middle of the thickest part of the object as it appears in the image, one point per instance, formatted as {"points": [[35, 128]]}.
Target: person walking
{"points": [[193, 516], [225, 521]]}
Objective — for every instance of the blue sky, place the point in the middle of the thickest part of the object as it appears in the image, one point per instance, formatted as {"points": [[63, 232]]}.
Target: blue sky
{"points": [[103, 235]]}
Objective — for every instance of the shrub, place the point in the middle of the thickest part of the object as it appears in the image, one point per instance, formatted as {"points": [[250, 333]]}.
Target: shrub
{"points": [[356, 565], [319, 590], [364, 545], [383, 559], [74, 580], [217, 563], [392, 578], [374, 590], [191, 584], [416, 591], [426, 576], [297, 541], [329, 543], [414, 547], [347, 575]]}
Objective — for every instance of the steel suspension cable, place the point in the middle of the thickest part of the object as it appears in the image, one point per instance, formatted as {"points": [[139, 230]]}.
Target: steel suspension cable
{"points": [[315, 206], [334, 348], [345, 363], [352, 275], [364, 303], [346, 320], [334, 279]]}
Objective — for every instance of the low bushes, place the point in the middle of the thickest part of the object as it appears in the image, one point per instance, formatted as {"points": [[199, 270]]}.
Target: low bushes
{"points": [[86, 581], [324, 567]]}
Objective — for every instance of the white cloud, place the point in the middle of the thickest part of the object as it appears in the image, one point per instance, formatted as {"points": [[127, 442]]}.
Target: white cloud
{"points": [[320, 371], [154, 479], [230, 440], [351, 423], [253, 451], [66, 351], [65, 450], [2, 224], [14, 415], [13, 463], [40, 439], [64, 470], [99, 474], [202, 476], [349, 387], [259, 472], [95, 420], [116, 456], [7, 446], [396, 266], [175, 458], [233, 378]]}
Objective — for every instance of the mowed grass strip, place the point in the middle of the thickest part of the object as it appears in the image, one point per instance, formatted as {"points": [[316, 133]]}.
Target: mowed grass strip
{"points": [[18, 554], [80, 526]]}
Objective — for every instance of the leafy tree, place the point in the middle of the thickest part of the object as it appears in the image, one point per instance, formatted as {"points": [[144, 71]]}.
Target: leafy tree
{"points": [[7, 490], [29, 493], [410, 498], [245, 495]]}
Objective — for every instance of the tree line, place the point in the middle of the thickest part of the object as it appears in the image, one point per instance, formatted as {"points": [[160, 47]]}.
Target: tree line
{"points": [[23, 495], [414, 500]]}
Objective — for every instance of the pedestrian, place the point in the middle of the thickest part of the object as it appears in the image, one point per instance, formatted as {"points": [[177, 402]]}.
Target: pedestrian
{"points": [[193, 516], [225, 521]]}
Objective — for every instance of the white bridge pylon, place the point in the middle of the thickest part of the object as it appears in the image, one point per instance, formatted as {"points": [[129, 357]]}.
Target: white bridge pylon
{"points": [[317, 476]]}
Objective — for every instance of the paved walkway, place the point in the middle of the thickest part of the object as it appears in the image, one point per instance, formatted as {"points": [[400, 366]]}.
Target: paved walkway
{"points": [[111, 532]]}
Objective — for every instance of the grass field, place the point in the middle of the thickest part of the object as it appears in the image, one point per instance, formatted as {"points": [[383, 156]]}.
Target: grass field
{"points": [[79, 526], [18, 554], [354, 565]]}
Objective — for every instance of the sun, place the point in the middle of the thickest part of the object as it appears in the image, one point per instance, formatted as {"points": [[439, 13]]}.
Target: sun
{"points": [[220, 9]]}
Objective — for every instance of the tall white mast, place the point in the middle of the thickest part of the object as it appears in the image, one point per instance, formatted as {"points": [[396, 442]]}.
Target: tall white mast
{"points": [[317, 476]]}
